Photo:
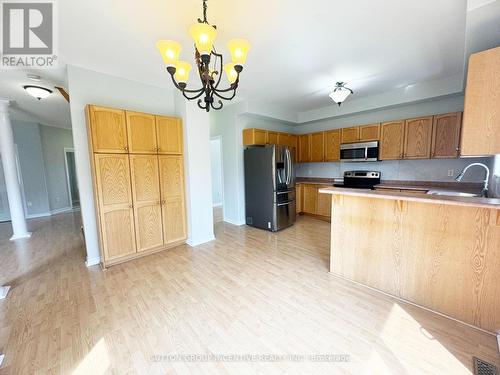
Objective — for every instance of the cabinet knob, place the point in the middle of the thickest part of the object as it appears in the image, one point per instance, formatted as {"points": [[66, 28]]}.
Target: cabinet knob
{"points": [[125, 148], [130, 206], [163, 201]]}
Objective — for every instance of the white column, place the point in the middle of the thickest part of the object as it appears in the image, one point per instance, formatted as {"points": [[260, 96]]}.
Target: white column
{"points": [[7, 151]]}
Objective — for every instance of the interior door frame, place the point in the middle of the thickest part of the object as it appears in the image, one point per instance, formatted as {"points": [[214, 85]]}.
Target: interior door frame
{"points": [[68, 184], [221, 148]]}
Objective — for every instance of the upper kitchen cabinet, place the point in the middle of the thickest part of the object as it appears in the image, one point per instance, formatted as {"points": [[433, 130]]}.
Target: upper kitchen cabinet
{"points": [[391, 140], [293, 143], [283, 139], [254, 137], [369, 132], [446, 135], [108, 127], [350, 135], [317, 146], [332, 145], [418, 138], [305, 148], [272, 138], [481, 124], [141, 131], [169, 135]]}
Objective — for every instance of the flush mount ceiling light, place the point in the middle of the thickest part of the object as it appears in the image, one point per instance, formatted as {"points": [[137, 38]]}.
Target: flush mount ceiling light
{"points": [[204, 35], [340, 93], [37, 91]]}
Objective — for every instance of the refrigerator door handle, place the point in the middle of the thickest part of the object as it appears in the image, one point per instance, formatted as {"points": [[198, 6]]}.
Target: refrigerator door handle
{"points": [[288, 167]]}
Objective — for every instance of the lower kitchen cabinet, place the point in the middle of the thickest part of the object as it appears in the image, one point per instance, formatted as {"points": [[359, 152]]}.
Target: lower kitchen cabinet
{"points": [[312, 202]]}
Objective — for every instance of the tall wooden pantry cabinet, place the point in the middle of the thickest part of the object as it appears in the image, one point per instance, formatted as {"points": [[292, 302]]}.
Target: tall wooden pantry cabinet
{"points": [[138, 178]]}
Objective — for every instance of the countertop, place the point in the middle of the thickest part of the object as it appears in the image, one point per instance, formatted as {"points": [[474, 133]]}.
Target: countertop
{"points": [[465, 187], [436, 199]]}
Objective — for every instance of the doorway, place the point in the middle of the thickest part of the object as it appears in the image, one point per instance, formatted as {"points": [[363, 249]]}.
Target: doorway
{"points": [[217, 179], [74, 193]]}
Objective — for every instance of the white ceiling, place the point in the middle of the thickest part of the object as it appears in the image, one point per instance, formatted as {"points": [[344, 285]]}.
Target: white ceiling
{"points": [[299, 48]]}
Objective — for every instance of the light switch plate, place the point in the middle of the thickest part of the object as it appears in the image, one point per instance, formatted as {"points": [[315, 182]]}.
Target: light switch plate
{"points": [[451, 172]]}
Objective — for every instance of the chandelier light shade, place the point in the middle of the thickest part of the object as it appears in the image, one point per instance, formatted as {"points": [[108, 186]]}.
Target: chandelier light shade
{"points": [[204, 36], [209, 65], [231, 74], [37, 91], [239, 50], [340, 93], [169, 51]]}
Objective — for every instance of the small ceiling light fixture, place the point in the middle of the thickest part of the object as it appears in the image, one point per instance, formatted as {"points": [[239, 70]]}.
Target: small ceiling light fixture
{"points": [[37, 91], [34, 77], [340, 93]]}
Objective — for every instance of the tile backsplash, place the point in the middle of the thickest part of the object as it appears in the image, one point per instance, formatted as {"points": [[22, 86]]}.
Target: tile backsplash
{"points": [[418, 170]]}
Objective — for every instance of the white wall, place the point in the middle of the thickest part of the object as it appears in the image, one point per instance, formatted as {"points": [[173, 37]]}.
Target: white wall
{"points": [[228, 124], [54, 141], [197, 170], [89, 87], [216, 164]]}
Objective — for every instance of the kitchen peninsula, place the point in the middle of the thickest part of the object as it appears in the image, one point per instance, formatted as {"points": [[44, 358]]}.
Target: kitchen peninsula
{"points": [[439, 252]]}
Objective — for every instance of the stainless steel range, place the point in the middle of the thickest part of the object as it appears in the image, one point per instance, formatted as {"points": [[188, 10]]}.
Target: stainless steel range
{"points": [[360, 179]]}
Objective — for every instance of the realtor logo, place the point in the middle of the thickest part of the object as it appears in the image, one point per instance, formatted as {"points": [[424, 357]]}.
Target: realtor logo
{"points": [[28, 34]]}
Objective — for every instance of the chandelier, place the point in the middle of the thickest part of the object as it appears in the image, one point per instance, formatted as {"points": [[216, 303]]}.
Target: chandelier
{"points": [[209, 64], [340, 93]]}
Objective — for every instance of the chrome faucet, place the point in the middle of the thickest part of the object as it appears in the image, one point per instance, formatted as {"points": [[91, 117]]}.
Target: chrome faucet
{"points": [[484, 192]]}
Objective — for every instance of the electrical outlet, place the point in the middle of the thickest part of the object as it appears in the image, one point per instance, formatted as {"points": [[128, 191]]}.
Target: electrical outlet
{"points": [[29, 204], [451, 172]]}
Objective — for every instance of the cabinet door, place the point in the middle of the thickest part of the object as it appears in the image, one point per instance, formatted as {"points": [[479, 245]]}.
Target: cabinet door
{"points": [[310, 196], [115, 205], [305, 148], [172, 198], [317, 146], [254, 137], [141, 131], [146, 198], [108, 129], [332, 145], [283, 139], [169, 135], [298, 197], [324, 205], [391, 140], [418, 138], [446, 135], [350, 135], [481, 126], [293, 143], [272, 138], [369, 132]]}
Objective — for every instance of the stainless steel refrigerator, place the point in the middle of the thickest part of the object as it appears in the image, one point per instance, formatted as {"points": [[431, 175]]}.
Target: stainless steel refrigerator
{"points": [[269, 187]]}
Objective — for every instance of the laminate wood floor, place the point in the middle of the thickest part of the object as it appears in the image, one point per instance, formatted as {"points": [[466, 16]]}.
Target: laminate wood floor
{"points": [[249, 292]]}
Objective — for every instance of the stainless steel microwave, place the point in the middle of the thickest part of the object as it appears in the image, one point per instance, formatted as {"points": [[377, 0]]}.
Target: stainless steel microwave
{"points": [[365, 151]]}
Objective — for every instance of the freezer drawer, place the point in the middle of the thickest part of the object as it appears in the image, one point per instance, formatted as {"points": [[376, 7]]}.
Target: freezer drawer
{"points": [[284, 215]]}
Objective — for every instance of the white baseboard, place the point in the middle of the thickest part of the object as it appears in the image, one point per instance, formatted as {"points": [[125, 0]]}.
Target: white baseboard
{"points": [[238, 223], [61, 210], [199, 241], [21, 236], [92, 261], [36, 216], [4, 290]]}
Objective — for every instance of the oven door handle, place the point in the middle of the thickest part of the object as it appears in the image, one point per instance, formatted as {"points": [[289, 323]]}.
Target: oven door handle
{"points": [[284, 192], [284, 204]]}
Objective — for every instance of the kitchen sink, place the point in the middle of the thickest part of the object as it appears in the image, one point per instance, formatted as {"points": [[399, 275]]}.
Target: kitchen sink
{"points": [[452, 193]]}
